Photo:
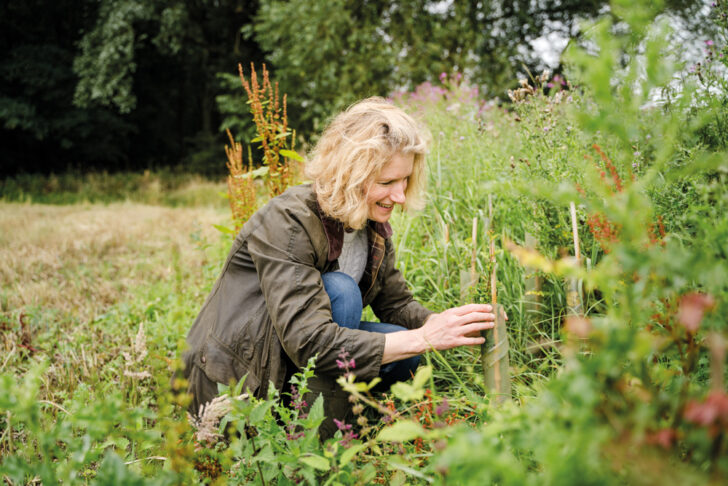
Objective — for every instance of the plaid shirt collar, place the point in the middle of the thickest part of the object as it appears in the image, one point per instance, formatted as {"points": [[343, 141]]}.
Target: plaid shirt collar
{"points": [[334, 230]]}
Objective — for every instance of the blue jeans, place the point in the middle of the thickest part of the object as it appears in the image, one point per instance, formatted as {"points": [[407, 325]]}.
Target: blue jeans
{"points": [[346, 308]]}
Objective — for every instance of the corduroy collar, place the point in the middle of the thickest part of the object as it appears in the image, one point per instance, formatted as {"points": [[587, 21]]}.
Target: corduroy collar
{"points": [[334, 230]]}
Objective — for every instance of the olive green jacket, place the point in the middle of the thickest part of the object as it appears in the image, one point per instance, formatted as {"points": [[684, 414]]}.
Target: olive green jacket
{"points": [[268, 310]]}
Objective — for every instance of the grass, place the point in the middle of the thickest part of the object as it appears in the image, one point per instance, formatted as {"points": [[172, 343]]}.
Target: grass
{"points": [[77, 280], [165, 187]]}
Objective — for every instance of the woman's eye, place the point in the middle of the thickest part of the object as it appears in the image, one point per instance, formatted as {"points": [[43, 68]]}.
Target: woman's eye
{"points": [[385, 183]]}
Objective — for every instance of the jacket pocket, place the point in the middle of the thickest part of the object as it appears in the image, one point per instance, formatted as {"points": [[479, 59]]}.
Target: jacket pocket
{"points": [[247, 339], [221, 365]]}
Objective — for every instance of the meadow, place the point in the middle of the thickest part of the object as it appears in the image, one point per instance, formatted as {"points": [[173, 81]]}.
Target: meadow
{"points": [[620, 382]]}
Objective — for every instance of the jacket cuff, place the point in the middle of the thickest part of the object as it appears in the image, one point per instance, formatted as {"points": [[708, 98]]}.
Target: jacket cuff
{"points": [[367, 365]]}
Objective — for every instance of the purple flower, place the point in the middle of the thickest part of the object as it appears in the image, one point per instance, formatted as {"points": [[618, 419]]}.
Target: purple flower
{"points": [[458, 76], [341, 425], [291, 433], [636, 154], [297, 401], [709, 43], [462, 137], [344, 363], [443, 407], [348, 434]]}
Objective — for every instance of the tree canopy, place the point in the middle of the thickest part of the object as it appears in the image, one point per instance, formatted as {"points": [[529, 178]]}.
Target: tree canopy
{"points": [[126, 84]]}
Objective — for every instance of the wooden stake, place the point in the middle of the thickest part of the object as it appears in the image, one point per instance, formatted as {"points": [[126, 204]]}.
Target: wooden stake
{"points": [[474, 255], [533, 281], [468, 280], [575, 231], [573, 293]]}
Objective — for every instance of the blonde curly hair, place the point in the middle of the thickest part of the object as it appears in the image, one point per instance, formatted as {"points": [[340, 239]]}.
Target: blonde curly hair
{"points": [[352, 151]]}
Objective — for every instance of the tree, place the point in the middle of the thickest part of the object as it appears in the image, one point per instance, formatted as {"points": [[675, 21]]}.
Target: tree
{"points": [[158, 62], [327, 54], [41, 129]]}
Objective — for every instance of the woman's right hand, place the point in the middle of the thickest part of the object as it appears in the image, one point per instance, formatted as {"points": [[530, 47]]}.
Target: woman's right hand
{"points": [[458, 326]]}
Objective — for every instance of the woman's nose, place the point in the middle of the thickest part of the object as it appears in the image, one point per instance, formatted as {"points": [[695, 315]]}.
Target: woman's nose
{"points": [[397, 195]]}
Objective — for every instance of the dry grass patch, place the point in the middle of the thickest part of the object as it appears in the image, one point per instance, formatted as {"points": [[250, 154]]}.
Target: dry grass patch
{"points": [[76, 283], [80, 259]]}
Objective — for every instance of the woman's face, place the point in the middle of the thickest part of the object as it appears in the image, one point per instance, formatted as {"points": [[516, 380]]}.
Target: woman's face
{"points": [[388, 187]]}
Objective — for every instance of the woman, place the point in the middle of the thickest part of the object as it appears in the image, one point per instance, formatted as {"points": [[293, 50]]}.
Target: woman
{"points": [[303, 267]]}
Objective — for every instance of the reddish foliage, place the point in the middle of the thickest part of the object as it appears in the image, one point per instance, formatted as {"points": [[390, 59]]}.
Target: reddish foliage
{"points": [[659, 235], [578, 326], [691, 309], [271, 122], [664, 438], [711, 413], [616, 180], [604, 231]]}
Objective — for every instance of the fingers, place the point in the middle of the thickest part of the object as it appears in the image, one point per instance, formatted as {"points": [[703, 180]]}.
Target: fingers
{"points": [[473, 341], [468, 308], [473, 330], [475, 317]]}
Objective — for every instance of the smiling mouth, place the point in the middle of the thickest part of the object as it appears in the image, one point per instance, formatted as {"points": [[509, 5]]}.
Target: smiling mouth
{"points": [[385, 206]]}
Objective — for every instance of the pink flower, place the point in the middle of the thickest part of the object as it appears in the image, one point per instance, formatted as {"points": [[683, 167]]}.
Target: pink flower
{"points": [[443, 407], [443, 77]]}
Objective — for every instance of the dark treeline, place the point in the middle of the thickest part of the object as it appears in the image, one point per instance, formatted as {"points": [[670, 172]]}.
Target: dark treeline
{"points": [[128, 84]]}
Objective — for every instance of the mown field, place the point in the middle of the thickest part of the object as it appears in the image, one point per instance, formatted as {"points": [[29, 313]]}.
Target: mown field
{"points": [[629, 388]]}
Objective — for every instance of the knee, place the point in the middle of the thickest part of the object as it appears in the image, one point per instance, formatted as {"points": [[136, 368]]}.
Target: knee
{"points": [[345, 297]]}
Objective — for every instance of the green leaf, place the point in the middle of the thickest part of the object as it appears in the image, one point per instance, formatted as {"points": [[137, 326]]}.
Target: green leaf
{"points": [[260, 171], [316, 412], [258, 413], [265, 455], [225, 229], [401, 431], [291, 155], [415, 391], [407, 392], [349, 454], [423, 374], [316, 462]]}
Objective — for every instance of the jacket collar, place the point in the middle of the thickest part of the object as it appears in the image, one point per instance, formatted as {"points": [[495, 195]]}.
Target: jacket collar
{"points": [[334, 230]]}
